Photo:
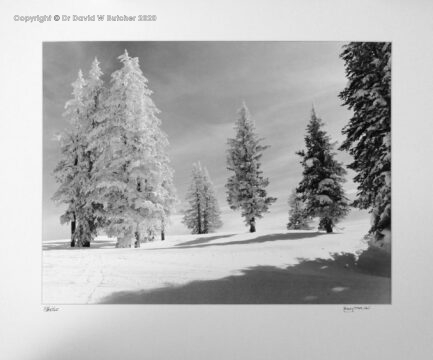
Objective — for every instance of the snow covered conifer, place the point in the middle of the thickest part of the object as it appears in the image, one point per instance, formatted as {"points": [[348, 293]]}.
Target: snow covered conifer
{"points": [[368, 133], [65, 173], [246, 187], [298, 220], [321, 186], [132, 180], [74, 171], [211, 213], [67, 170], [202, 215], [89, 216], [193, 218]]}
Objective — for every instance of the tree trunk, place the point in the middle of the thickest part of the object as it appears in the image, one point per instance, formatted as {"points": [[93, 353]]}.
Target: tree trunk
{"points": [[252, 225], [137, 240], [72, 233], [73, 225], [328, 228], [162, 235], [199, 216], [205, 229], [82, 237]]}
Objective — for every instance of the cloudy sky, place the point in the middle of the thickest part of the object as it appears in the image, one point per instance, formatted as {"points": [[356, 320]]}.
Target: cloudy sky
{"points": [[199, 86]]}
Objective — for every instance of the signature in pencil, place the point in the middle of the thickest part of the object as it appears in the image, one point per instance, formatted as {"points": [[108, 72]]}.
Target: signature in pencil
{"points": [[355, 308], [50, 308]]}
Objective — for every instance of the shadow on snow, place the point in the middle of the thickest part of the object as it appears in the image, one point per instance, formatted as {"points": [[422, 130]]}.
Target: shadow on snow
{"points": [[339, 280], [204, 240], [196, 243], [66, 245], [201, 243]]}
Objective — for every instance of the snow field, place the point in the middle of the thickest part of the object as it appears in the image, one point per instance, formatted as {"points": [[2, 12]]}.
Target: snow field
{"points": [[86, 276]]}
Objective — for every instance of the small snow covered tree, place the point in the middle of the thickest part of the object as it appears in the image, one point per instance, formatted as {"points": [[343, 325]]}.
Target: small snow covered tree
{"points": [[246, 187], [74, 171], [321, 187], [368, 133], [298, 220], [132, 177], [211, 213], [193, 218], [202, 215]]}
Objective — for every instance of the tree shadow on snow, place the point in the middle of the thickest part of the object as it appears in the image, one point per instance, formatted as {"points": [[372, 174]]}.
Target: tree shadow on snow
{"points": [[203, 240], [62, 245], [334, 281], [257, 240]]}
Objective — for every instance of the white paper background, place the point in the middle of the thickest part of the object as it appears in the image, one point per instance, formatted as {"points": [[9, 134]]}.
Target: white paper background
{"points": [[400, 331]]}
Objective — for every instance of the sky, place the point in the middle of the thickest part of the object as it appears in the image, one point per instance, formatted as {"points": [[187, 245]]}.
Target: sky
{"points": [[199, 86]]}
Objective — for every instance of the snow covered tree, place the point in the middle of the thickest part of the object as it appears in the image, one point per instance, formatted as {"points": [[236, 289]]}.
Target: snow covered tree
{"points": [[298, 220], [67, 170], [211, 210], [89, 216], [132, 178], [65, 173], [321, 186], [193, 218], [203, 214], [246, 188], [74, 171], [368, 133]]}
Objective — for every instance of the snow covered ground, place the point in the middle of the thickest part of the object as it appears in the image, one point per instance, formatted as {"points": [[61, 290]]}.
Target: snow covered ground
{"points": [[202, 268]]}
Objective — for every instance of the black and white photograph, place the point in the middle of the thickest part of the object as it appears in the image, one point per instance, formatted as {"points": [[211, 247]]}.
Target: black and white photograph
{"points": [[217, 172], [216, 180]]}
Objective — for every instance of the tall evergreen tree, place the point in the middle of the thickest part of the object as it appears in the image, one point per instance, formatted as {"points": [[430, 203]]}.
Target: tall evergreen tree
{"points": [[298, 219], [74, 171], [246, 187], [368, 133], [132, 178], [202, 215], [67, 170], [321, 186], [89, 216], [65, 174]]}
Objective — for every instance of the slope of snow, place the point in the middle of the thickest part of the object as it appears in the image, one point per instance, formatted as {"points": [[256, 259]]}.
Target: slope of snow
{"points": [[80, 276]]}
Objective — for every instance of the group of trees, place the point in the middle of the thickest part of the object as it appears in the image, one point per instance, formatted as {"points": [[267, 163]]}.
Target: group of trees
{"points": [[368, 140], [114, 173], [115, 176], [319, 194], [246, 187]]}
